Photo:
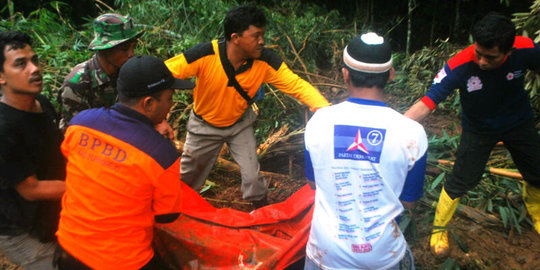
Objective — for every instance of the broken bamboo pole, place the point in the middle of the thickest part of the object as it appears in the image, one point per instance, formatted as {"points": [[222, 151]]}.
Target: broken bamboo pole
{"points": [[477, 216], [231, 166], [503, 172]]}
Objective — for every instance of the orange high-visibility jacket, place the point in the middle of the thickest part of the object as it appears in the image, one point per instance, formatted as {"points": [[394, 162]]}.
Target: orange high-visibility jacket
{"points": [[121, 173]]}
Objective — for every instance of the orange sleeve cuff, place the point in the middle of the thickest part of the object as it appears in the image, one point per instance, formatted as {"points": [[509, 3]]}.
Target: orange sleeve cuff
{"points": [[428, 102]]}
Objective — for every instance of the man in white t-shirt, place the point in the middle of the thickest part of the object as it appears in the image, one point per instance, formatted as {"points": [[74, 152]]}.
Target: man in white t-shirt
{"points": [[367, 162]]}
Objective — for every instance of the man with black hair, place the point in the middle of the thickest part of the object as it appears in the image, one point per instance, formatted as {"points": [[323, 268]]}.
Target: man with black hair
{"points": [[367, 163], [229, 73], [32, 168], [490, 77], [122, 175]]}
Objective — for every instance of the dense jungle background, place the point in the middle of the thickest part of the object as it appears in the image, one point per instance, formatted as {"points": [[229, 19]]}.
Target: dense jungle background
{"points": [[491, 229]]}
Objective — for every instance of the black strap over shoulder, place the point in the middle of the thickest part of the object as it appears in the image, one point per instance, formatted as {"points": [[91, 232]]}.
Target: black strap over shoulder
{"points": [[229, 70]]}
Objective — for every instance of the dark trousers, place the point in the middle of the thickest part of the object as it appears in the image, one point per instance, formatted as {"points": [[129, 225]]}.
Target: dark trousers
{"points": [[66, 261], [523, 143]]}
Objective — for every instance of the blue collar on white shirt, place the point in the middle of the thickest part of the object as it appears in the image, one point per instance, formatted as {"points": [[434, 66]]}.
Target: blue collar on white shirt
{"points": [[367, 102]]}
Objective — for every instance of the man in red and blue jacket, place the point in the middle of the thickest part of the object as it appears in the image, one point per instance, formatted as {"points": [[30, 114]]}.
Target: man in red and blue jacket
{"points": [[495, 107]]}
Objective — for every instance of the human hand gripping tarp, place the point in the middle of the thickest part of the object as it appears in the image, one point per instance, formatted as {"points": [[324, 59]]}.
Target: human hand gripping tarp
{"points": [[205, 237]]}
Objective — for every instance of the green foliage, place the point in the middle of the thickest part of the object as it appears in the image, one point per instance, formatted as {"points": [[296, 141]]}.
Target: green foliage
{"points": [[308, 36], [58, 44], [175, 26], [309, 39], [449, 264], [416, 74], [529, 24], [443, 146], [276, 110]]}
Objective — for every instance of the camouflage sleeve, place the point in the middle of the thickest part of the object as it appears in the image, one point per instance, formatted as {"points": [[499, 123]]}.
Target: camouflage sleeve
{"points": [[73, 95]]}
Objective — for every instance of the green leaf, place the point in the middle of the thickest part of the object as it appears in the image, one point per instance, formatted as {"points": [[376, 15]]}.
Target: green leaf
{"points": [[504, 215], [207, 186], [437, 180], [460, 243], [449, 264]]}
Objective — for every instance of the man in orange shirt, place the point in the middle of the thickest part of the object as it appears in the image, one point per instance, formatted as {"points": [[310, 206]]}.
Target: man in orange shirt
{"points": [[229, 73], [122, 175]]}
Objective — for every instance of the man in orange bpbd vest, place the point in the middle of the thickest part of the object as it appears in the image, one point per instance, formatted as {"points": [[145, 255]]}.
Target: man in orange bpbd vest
{"points": [[122, 175]]}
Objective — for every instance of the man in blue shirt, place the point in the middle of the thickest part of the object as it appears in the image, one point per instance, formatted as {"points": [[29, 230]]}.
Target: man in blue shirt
{"points": [[490, 77]]}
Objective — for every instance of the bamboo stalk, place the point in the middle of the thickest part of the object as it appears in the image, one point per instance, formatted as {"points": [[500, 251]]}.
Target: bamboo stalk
{"points": [[471, 213], [503, 172]]}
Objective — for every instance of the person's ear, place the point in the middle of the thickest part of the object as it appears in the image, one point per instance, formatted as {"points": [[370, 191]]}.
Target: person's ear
{"points": [[234, 37], [148, 103], [346, 77], [392, 73], [3, 77]]}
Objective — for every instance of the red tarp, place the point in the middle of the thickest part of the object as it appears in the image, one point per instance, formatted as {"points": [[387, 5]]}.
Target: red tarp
{"points": [[205, 237]]}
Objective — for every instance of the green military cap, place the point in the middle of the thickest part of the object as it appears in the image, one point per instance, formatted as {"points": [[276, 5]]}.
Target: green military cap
{"points": [[112, 29]]}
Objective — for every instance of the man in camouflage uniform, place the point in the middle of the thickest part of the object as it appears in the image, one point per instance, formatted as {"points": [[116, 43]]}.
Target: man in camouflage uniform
{"points": [[92, 84]]}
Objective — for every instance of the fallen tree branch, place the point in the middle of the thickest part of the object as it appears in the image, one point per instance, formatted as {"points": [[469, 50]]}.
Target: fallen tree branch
{"points": [[503, 172], [273, 92], [234, 168], [297, 57], [224, 201], [272, 139], [176, 122], [477, 216], [231, 166]]}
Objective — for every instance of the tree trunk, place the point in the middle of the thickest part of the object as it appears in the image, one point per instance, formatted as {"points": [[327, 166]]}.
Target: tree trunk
{"points": [[371, 15], [409, 28], [11, 11], [456, 19], [433, 20]]}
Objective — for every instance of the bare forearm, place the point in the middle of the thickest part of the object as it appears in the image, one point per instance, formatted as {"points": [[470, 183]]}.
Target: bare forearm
{"points": [[418, 111], [33, 189], [52, 190], [408, 205]]}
